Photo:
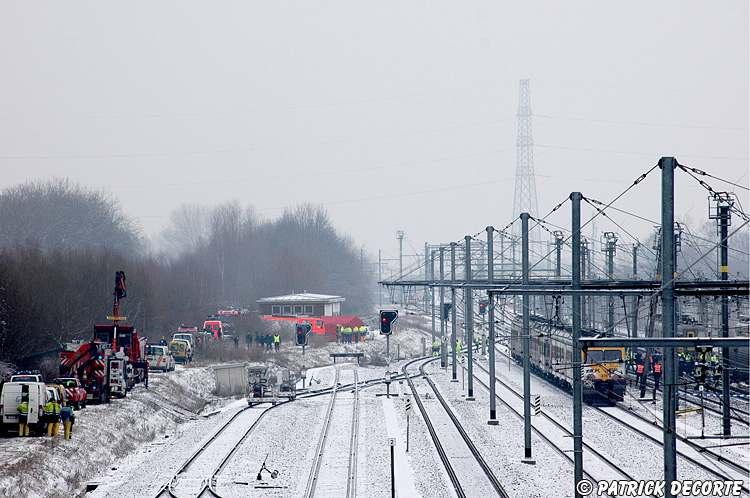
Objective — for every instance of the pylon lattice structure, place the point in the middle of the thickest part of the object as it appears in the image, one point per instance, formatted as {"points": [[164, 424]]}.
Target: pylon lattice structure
{"points": [[524, 197]]}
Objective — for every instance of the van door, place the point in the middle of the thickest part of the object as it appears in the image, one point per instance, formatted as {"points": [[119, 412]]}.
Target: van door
{"points": [[37, 399], [11, 397]]}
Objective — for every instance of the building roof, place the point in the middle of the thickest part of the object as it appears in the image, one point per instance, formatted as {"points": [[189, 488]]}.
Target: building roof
{"points": [[304, 297]]}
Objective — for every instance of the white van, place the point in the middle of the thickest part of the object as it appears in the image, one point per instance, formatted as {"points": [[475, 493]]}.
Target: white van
{"points": [[159, 358], [10, 398]]}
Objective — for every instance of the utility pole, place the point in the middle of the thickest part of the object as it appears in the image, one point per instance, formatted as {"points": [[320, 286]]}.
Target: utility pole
{"points": [[558, 250], [380, 277], [513, 242], [453, 314], [502, 255], [576, 267], [636, 299], [590, 275], [669, 402], [469, 320], [432, 294], [526, 335], [722, 203], [610, 246], [400, 236], [491, 318], [724, 270], [426, 266], [558, 267], [584, 249], [442, 306]]}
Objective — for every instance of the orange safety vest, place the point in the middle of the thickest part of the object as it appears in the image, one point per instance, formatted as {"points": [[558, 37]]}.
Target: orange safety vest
{"points": [[639, 369], [657, 368]]}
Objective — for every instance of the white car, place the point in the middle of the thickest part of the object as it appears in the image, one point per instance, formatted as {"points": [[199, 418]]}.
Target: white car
{"points": [[159, 358]]}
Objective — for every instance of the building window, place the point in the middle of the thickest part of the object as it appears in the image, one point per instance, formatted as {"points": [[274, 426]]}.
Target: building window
{"points": [[287, 310], [298, 309], [275, 309], [308, 309]]}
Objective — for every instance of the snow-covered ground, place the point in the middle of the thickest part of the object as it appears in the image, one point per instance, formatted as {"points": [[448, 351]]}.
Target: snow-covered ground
{"points": [[105, 437], [136, 446]]}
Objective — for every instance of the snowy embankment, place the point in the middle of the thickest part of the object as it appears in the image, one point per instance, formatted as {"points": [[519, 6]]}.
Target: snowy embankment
{"points": [[103, 436]]}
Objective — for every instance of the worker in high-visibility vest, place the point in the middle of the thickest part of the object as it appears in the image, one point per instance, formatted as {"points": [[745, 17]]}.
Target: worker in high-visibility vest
{"points": [[53, 419], [436, 347], [276, 341], [459, 345], [657, 378], [23, 417], [640, 369]]}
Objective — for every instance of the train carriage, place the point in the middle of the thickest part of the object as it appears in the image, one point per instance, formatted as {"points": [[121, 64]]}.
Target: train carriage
{"points": [[551, 357]]}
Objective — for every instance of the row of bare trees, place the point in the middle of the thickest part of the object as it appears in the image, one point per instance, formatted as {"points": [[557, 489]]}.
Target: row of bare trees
{"points": [[53, 290]]}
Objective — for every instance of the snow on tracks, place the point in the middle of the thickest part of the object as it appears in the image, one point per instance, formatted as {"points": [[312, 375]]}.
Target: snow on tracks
{"points": [[458, 453]]}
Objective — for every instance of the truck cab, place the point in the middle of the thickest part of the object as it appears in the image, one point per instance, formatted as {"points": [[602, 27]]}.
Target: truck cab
{"points": [[74, 391], [214, 327]]}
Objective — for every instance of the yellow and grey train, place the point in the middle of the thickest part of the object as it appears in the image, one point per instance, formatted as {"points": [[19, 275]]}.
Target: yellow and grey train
{"points": [[551, 357]]}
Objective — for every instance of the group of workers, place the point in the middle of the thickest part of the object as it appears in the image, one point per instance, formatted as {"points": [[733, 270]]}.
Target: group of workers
{"points": [[436, 345], [348, 335], [266, 341], [687, 360], [637, 365], [52, 416]]}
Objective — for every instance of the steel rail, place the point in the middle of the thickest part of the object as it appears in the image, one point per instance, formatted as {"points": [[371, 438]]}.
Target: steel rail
{"points": [[315, 469], [469, 443], [435, 439], [351, 481], [643, 433], [557, 424], [693, 445], [167, 487]]}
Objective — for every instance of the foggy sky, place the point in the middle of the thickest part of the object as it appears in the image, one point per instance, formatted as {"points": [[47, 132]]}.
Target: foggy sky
{"points": [[394, 115]]}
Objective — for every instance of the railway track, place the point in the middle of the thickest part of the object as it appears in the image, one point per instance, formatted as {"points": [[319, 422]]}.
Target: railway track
{"points": [[204, 483], [742, 472], [737, 468], [335, 391], [351, 481], [461, 453], [560, 442], [737, 413], [204, 457], [333, 462]]}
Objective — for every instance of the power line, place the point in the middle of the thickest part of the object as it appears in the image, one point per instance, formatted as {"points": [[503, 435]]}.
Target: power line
{"points": [[641, 123], [635, 153]]}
